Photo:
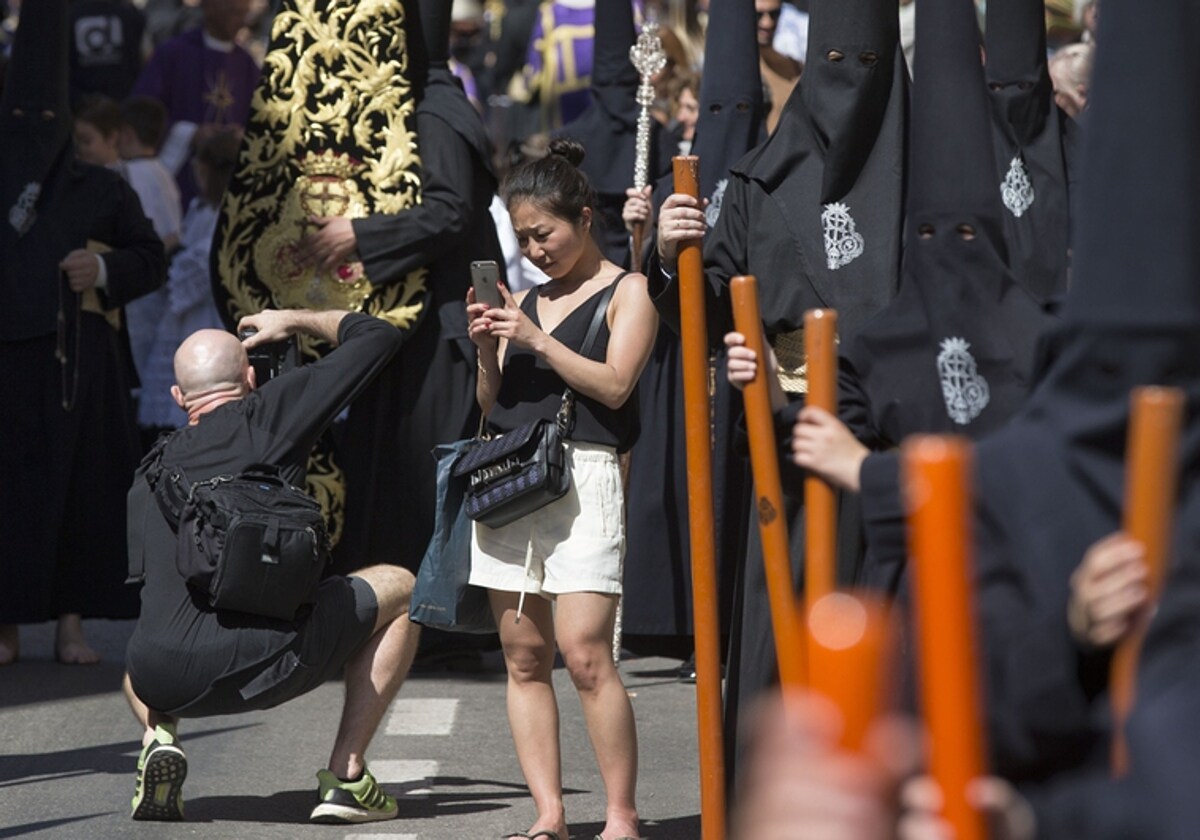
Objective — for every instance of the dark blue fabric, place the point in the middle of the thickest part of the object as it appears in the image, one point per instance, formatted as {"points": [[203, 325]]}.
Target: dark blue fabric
{"points": [[442, 598]]}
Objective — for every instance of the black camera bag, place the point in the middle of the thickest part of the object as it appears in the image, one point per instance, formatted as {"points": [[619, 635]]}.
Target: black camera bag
{"points": [[252, 543], [249, 543]]}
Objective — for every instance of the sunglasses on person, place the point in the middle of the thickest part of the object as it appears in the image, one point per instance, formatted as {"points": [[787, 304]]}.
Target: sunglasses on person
{"points": [[773, 14]]}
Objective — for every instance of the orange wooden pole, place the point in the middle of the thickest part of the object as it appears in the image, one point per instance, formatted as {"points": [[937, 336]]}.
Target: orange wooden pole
{"points": [[937, 495], [694, 340], [1151, 480], [768, 493], [849, 651], [820, 503]]}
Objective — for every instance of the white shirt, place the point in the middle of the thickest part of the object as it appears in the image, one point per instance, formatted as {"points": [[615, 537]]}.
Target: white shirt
{"points": [[791, 35]]}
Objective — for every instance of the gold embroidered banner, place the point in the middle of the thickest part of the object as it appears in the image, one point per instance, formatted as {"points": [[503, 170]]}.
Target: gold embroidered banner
{"points": [[331, 133]]}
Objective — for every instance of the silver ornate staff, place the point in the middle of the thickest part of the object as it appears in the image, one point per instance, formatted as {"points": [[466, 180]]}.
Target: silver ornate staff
{"points": [[648, 57]]}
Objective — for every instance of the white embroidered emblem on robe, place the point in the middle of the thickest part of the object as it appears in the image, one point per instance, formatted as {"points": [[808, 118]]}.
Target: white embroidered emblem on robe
{"points": [[966, 392], [1017, 189], [21, 215], [843, 242], [713, 211]]}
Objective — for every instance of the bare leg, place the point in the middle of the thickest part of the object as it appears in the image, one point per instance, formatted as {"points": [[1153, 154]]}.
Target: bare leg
{"points": [[375, 673], [532, 707], [584, 626], [10, 643], [146, 716], [70, 646]]}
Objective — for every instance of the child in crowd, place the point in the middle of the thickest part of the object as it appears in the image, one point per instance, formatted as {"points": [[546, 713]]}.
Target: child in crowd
{"points": [[125, 138], [143, 127], [106, 132], [188, 299], [685, 110], [97, 132]]}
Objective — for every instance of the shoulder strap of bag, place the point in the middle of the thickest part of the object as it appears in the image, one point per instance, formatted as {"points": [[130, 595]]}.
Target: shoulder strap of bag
{"points": [[566, 411], [151, 481]]}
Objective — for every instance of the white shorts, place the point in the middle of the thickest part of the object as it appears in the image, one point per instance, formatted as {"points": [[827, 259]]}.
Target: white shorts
{"points": [[573, 544]]}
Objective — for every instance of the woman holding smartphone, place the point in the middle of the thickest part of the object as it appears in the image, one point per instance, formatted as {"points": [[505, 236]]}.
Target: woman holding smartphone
{"points": [[554, 576]]}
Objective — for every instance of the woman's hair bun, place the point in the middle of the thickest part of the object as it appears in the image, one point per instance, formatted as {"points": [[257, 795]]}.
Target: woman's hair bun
{"points": [[566, 147]]}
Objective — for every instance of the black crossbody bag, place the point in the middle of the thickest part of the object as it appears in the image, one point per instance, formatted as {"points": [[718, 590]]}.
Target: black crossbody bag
{"points": [[525, 469], [249, 542]]}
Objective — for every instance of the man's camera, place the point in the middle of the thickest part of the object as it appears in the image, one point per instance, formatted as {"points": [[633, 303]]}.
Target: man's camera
{"points": [[270, 360]]}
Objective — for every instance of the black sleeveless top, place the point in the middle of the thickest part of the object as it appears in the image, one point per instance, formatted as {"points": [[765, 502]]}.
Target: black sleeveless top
{"points": [[532, 390]]}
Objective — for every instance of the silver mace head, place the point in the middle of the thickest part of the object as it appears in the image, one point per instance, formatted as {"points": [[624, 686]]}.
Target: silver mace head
{"points": [[647, 57]]}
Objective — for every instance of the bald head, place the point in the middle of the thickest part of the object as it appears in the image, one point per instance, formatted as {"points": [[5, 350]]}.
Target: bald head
{"points": [[208, 360]]}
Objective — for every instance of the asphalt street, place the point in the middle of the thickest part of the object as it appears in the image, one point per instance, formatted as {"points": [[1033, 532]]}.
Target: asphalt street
{"points": [[68, 747]]}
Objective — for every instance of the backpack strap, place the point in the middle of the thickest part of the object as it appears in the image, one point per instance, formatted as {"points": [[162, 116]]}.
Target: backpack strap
{"points": [[147, 482]]}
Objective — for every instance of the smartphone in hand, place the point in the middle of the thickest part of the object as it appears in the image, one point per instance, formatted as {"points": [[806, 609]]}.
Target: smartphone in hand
{"points": [[485, 274]]}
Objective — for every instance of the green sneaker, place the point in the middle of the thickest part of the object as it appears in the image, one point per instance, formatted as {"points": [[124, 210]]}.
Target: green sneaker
{"points": [[352, 802], [161, 769]]}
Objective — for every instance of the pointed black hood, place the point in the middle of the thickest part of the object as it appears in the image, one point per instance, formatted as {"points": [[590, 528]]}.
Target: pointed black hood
{"points": [[438, 90], [835, 164], [846, 98], [608, 126], [1132, 316], [1017, 73], [950, 172], [731, 97], [1034, 145], [35, 118], [435, 31], [955, 350], [731, 103], [1138, 253]]}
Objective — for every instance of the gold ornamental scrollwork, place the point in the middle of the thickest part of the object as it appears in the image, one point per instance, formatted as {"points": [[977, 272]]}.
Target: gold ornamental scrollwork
{"points": [[331, 133]]}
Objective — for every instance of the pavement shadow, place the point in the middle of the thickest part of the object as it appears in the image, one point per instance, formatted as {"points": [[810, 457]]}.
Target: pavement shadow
{"points": [[46, 825], [29, 768], [676, 828], [294, 806], [288, 806], [40, 681]]}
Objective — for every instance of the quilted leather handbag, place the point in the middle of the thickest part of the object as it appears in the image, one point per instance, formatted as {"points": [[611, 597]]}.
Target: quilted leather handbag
{"points": [[526, 468]]}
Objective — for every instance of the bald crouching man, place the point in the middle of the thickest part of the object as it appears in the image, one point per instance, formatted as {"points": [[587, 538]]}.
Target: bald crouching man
{"points": [[186, 659]]}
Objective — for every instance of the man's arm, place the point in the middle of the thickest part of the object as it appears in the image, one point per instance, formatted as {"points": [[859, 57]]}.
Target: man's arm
{"points": [[277, 324], [724, 257], [391, 246], [137, 264], [297, 406]]}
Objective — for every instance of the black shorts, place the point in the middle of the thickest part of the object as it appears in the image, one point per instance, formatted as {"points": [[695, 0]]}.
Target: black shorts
{"points": [[342, 619]]}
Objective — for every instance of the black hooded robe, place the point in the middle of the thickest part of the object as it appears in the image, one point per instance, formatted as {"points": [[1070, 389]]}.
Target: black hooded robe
{"points": [[1036, 147], [66, 472], [1051, 483], [658, 579], [815, 213], [426, 395]]}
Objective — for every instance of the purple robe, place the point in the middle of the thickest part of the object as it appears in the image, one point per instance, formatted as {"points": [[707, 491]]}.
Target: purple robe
{"points": [[201, 85], [558, 63]]}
